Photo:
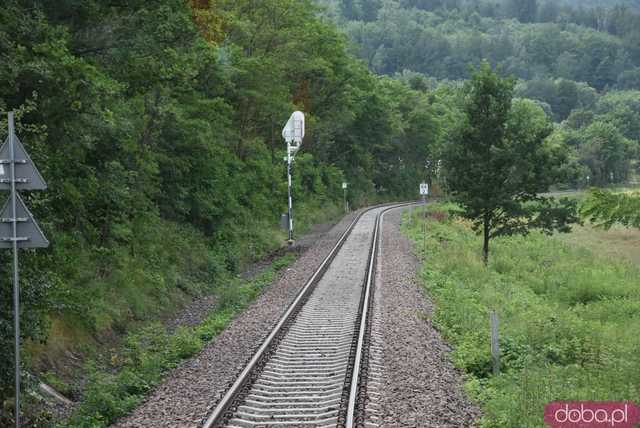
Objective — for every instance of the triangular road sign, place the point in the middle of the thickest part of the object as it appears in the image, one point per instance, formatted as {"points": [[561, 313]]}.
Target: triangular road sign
{"points": [[27, 175], [28, 232]]}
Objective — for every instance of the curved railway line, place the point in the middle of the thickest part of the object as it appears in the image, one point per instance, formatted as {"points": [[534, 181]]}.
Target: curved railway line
{"points": [[312, 369]]}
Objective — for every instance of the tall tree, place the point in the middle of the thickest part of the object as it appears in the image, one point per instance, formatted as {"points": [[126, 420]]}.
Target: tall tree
{"points": [[500, 161]]}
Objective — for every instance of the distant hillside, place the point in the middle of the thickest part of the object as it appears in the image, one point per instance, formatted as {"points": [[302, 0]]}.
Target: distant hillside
{"points": [[605, 3], [528, 38]]}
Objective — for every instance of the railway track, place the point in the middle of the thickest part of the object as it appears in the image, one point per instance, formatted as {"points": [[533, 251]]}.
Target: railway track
{"points": [[312, 369]]}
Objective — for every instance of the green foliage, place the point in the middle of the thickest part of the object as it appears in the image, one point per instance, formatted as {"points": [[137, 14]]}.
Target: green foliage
{"points": [[575, 60], [567, 318], [157, 126], [606, 152], [500, 161], [440, 38], [606, 208], [117, 386]]}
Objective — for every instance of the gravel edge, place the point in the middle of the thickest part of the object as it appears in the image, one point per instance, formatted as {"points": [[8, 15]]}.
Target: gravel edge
{"points": [[420, 386]]}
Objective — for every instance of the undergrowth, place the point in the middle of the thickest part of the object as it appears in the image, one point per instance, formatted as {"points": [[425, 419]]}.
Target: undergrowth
{"points": [[116, 386], [568, 318]]}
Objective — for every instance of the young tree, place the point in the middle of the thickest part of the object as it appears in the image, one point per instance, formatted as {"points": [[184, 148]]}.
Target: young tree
{"points": [[500, 160]]}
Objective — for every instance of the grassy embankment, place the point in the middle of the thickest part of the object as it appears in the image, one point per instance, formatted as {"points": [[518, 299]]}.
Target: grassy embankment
{"points": [[108, 346], [569, 311]]}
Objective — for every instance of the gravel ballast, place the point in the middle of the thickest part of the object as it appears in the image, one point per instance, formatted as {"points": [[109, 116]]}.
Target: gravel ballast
{"points": [[193, 389], [415, 384], [420, 385]]}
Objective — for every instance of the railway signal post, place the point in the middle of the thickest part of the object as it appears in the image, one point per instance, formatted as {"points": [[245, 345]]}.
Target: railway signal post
{"points": [[293, 133], [18, 228], [344, 196]]}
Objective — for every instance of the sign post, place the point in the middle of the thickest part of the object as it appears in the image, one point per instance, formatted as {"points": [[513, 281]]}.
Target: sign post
{"points": [[344, 195], [18, 229], [293, 133], [495, 342], [424, 191]]}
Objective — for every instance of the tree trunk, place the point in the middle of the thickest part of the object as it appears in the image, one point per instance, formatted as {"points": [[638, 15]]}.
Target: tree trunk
{"points": [[485, 245]]}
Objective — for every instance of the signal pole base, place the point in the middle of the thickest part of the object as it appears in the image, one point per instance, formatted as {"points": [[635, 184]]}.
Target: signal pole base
{"points": [[291, 242]]}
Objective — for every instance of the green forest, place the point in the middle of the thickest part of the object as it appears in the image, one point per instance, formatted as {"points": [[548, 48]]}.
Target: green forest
{"points": [[157, 125], [580, 64]]}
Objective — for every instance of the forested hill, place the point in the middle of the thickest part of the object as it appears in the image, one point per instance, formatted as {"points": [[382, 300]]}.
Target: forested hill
{"points": [[531, 39], [157, 125], [635, 4], [580, 64]]}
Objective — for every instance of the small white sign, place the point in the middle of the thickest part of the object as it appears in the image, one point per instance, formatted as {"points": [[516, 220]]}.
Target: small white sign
{"points": [[2, 169], [344, 185], [424, 189]]}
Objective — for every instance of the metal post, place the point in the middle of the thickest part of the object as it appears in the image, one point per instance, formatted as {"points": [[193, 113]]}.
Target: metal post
{"points": [[344, 193], [424, 228], [495, 343], [289, 190], [16, 289]]}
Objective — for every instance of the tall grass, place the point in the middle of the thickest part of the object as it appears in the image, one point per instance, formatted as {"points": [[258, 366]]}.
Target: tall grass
{"points": [[569, 319]]}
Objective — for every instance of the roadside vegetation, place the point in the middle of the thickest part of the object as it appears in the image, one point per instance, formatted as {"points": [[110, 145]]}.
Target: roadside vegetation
{"points": [[119, 381], [568, 316]]}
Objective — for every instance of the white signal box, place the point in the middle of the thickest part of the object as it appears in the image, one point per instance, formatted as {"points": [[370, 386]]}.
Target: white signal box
{"points": [[293, 132]]}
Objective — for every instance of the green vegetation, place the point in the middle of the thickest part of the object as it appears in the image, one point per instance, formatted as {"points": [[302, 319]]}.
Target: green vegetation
{"points": [[606, 208], [568, 318], [157, 126], [580, 64], [530, 39], [617, 243], [500, 160], [117, 386]]}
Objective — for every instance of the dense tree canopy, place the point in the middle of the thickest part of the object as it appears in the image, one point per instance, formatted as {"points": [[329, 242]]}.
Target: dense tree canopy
{"points": [[579, 62], [148, 117]]}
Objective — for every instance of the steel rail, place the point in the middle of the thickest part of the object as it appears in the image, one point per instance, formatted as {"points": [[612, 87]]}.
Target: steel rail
{"points": [[218, 413], [217, 416], [364, 319]]}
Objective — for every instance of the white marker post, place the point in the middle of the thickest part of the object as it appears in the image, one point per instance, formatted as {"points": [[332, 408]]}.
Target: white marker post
{"points": [[424, 191], [344, 196], [293, 133]]}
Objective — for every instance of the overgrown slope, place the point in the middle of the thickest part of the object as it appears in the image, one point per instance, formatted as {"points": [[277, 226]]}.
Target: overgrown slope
{"points": [[157, 126]]}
